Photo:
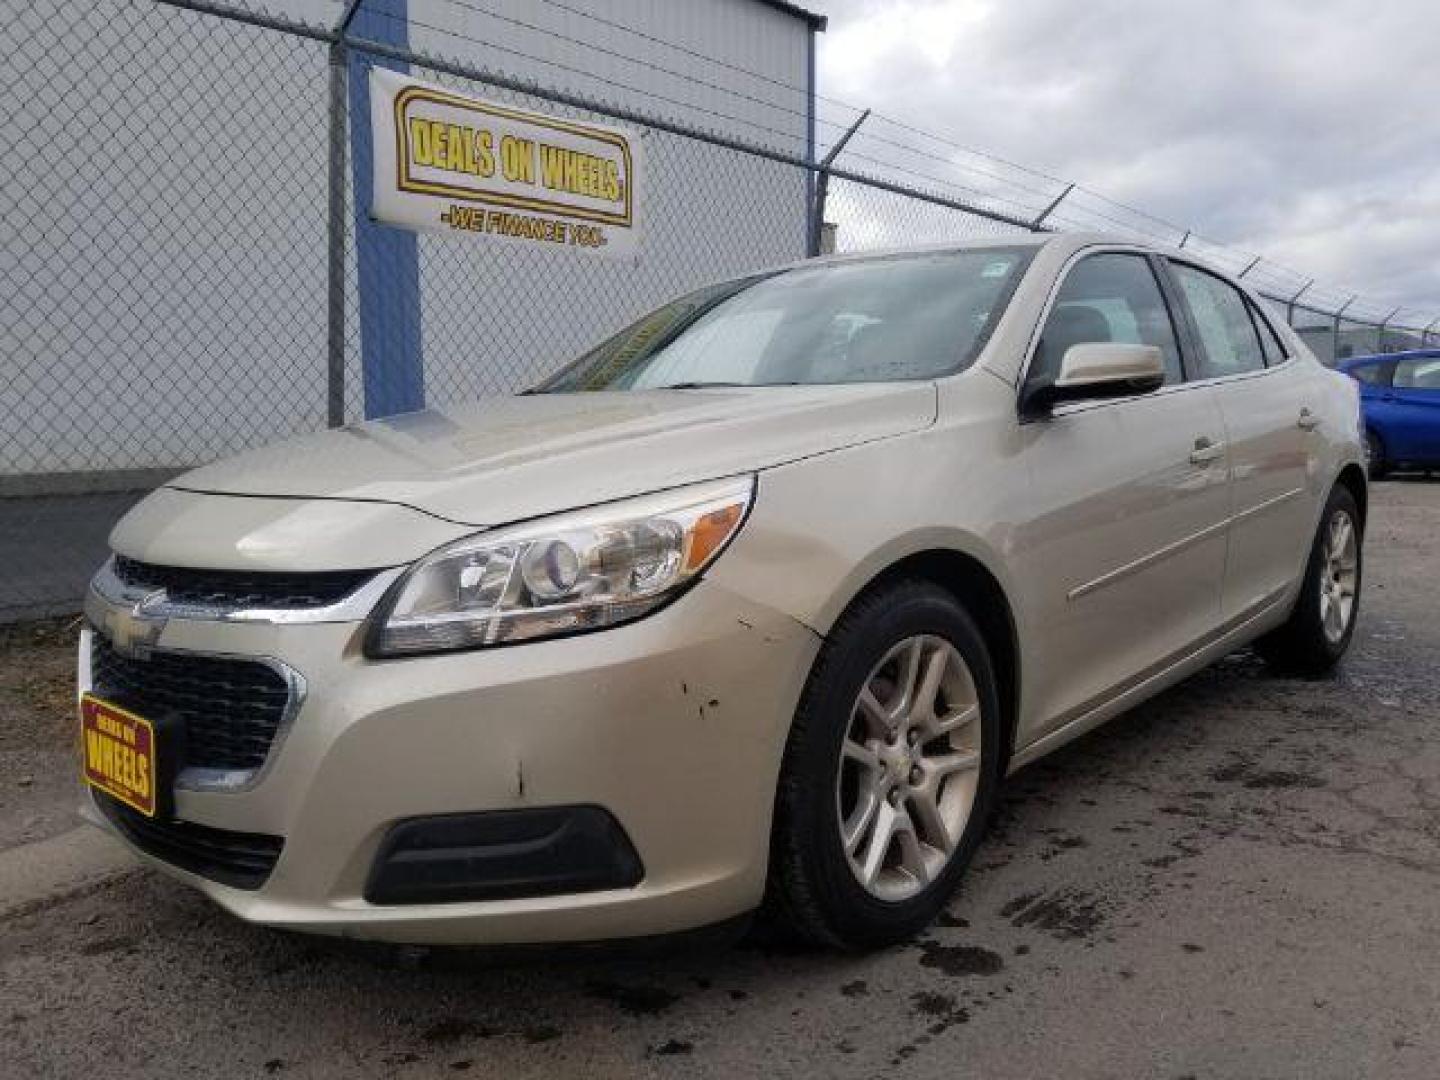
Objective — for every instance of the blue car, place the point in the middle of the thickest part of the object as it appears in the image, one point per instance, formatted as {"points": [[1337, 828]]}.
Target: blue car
{"points": [[1400, 396]]}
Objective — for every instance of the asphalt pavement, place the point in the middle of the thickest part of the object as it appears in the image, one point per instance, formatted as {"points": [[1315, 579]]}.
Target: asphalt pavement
{"points": [[1237, 879]]}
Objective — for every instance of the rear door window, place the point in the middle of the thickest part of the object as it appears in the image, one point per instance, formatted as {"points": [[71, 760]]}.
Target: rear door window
{"points": [[1108, 297], [1229, 342]]}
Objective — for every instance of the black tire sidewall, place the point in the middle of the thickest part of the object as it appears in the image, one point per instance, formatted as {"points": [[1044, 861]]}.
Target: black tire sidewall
{"points": [[855, 917], [1307, 609]]}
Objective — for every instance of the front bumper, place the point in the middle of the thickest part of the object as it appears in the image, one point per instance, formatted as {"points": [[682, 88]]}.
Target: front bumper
{"points": [[674, 725]]}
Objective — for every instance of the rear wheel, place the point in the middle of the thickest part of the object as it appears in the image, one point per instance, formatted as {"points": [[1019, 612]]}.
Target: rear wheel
{"points": [[1319, 629], [1375, 453], [889, 773]]}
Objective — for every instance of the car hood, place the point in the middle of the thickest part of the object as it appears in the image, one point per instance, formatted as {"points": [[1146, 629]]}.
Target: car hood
{"points": [[506, 459]]}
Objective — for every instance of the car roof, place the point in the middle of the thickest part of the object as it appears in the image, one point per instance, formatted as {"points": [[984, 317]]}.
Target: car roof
{"points": [[1061, 244]]}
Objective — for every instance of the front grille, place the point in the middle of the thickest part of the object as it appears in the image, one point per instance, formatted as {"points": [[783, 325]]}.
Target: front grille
{"points": [[241, 860], [242, 588], [230, 709]]}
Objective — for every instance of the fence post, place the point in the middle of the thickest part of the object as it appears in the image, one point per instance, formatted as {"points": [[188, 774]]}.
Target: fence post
{"points": [[1425, 334], [822, 186], [1290, 306], [335, 225], [1380, 334], [1335, 329], [1038, 223]]}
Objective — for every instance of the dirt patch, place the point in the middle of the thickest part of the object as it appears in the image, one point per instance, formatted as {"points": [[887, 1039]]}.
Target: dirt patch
{"points": [[37, 683], [38, 785]]}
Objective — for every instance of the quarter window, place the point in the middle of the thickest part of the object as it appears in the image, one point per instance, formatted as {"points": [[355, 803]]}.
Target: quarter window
{"points": [[1228, 340], [1110, 297]]}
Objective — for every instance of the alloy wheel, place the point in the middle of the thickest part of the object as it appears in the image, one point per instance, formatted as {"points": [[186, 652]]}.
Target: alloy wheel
{"points": [[909, 767], [1339, 562]]}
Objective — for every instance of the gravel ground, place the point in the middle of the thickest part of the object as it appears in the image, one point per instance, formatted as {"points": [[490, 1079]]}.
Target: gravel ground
{"points": [[1237, 879]]}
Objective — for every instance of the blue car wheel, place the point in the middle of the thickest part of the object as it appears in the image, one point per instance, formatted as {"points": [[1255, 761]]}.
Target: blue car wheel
{"points": [[1375, 451]]}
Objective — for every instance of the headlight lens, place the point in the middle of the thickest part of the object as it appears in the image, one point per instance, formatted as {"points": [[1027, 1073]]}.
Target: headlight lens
{"points": [[577, 571]]}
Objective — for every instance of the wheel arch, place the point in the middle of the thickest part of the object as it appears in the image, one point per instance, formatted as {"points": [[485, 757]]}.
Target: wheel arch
{"points": [[1352, 478], [984, 598]]}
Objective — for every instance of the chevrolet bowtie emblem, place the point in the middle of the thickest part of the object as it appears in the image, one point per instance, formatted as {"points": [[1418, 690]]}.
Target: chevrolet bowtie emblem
{"points": [[132, 630]]}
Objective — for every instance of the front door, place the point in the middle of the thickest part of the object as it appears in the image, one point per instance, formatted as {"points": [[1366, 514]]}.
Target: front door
{"points": [[1120, 565]]}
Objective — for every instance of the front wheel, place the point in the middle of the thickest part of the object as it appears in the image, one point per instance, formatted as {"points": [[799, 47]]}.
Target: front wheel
{"points": [[1319, 629], [889, 772]]}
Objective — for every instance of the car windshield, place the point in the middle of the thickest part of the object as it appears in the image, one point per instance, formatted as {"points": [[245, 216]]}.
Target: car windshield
{"points": [[872, 320]]}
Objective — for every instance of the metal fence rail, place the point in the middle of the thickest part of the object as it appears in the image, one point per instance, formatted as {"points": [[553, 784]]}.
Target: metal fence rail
{"points": [[182, 270]]}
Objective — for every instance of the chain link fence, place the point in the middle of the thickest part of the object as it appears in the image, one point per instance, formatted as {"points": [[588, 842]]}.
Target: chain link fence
{"points": [[181, 272]]}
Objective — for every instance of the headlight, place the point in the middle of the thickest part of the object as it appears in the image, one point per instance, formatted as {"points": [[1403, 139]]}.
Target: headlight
{"points": [[558, 575]]}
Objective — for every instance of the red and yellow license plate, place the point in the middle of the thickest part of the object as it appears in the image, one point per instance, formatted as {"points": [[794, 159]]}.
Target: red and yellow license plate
{"points": [[119, 750]]}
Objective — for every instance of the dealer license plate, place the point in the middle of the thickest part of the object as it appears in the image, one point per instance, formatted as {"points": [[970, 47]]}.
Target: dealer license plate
{"points": [[119, 750]]}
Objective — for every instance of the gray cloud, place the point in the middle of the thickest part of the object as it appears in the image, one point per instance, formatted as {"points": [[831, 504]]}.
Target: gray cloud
{"points": [[1306, 130]]}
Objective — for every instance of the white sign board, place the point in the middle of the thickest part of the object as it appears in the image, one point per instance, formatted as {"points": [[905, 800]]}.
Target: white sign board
{"points": [[450, 163]]}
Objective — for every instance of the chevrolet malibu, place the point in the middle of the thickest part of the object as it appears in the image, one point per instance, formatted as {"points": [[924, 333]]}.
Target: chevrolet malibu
{"points": [[752, 606]]}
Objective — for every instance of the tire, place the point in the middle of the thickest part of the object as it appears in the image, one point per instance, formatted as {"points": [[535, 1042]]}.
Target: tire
{"points": [[1375, 452], [814, 890], [1312, 641]]}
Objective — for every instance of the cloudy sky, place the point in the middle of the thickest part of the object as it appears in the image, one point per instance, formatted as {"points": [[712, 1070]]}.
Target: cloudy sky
{"points": [[1307, 130]]}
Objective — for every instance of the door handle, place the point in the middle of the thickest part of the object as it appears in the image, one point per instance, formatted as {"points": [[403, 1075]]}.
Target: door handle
{"points": [[1308, 421], [1206, 450]]}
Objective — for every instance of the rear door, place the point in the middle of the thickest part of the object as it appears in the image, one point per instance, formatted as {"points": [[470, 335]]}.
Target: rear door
{"points": [[1414, 410], [1271, 435], [1122, 558]]}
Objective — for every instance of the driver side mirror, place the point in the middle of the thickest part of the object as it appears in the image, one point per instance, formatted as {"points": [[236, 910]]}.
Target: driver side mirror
{"points": [[1094, 370]]}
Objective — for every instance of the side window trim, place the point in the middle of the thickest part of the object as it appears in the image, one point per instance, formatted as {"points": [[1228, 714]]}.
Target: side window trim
{"points": [[1263, 329], [1185, 333]]}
